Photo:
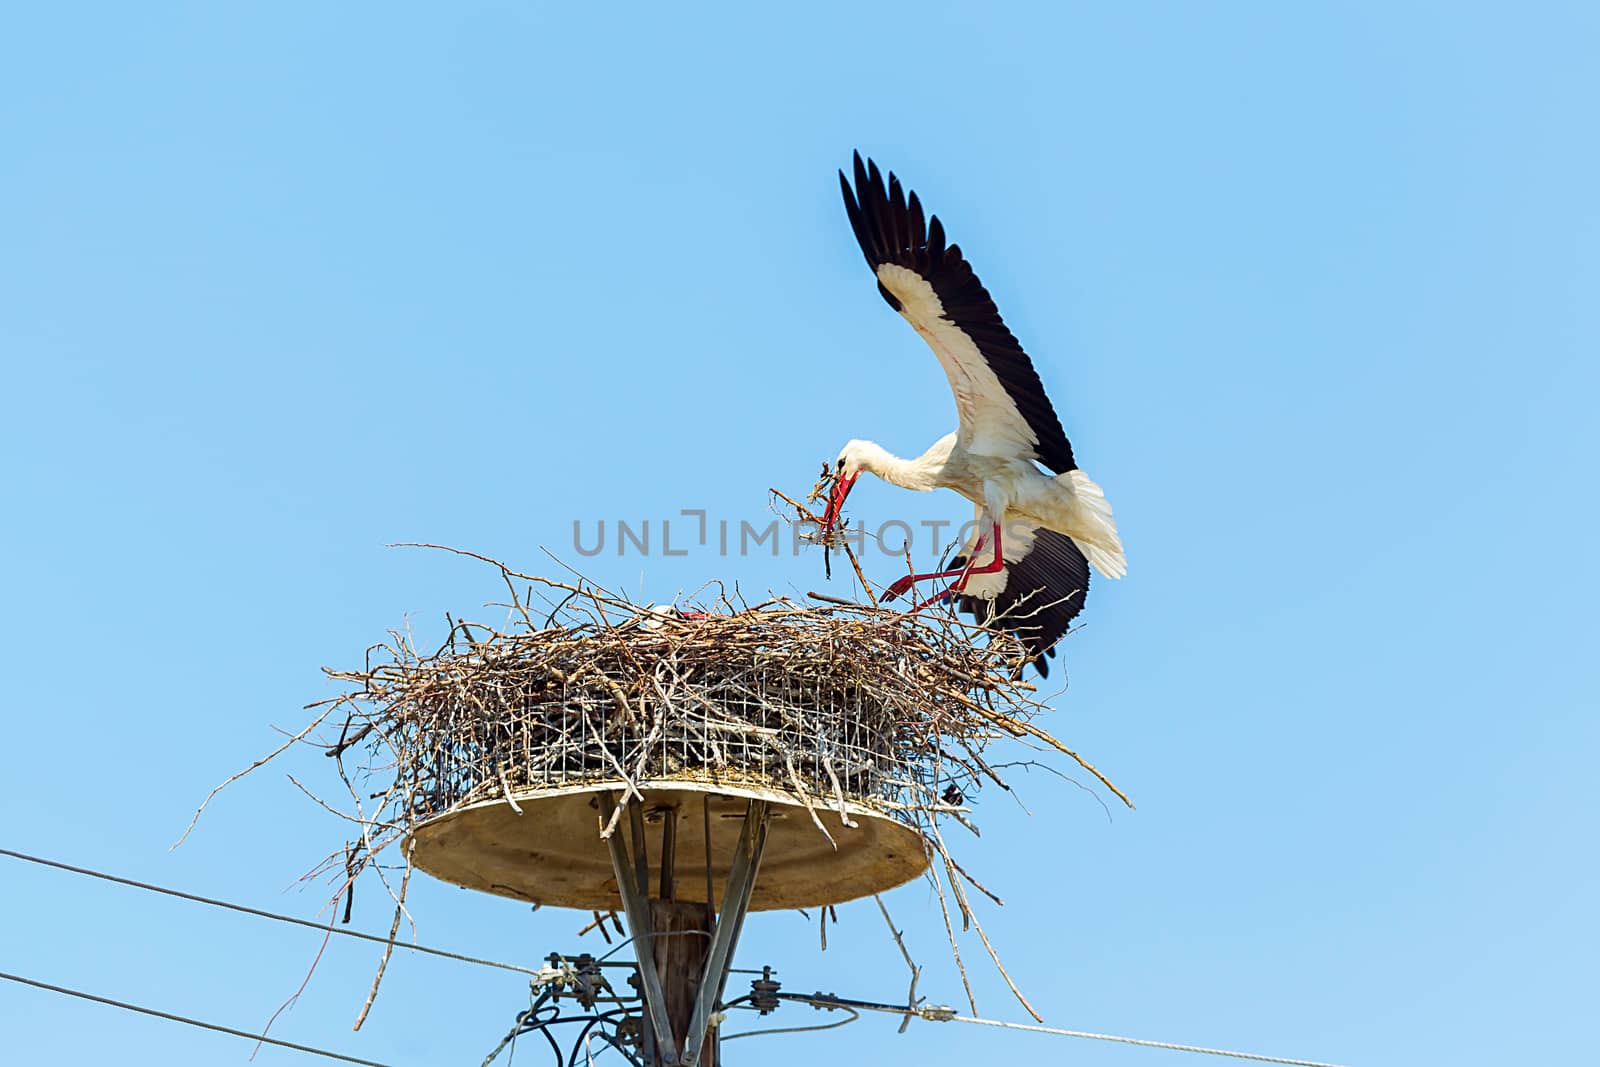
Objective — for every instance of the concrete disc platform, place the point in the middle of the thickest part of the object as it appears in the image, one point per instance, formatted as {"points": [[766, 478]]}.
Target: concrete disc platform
{"points": [[552, 853]]}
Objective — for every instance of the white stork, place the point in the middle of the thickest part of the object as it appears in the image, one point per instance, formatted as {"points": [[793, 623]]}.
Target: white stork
{"points": [[1025, 566]]}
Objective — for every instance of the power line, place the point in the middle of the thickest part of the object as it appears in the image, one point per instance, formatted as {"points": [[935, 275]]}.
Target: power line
{"points": [[854, 1015], [188, 1021], [935, 1013], [295, 920], [1141, 1041]]}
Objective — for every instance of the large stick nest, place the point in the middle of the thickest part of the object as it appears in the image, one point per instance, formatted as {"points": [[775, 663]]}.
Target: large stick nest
{"points": [[831, 702]]}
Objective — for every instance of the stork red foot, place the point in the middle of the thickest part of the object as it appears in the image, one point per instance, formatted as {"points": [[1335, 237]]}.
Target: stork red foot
{"points": [[903, 585], [900, 587]]}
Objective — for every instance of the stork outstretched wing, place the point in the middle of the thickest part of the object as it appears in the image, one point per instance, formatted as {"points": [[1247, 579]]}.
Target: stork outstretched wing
{"points": [[1001, 402]]}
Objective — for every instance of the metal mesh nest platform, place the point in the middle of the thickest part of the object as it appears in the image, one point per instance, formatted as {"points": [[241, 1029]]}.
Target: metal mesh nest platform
{"points": [[864, 726]]}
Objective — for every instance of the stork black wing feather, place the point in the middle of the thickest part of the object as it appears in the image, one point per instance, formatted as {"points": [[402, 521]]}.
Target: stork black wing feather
{"points": [[890, 229], [935, 239], [918, 228], [857, 224], [1044, 592]]}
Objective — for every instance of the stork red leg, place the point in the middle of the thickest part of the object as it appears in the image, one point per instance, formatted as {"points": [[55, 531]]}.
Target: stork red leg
{"points": [[998, 563], [902, 584]]}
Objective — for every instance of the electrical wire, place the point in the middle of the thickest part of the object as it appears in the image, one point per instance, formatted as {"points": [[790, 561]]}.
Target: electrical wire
{"points": [[188, 1021], [934, 1013], [295, 920], [1141, 1041], [854, 1015]]}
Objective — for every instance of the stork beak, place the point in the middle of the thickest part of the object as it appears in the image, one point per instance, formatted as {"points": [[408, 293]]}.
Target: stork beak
{"points": [[841, 489]]}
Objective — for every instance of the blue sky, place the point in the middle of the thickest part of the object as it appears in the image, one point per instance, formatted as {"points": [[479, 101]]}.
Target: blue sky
{"points": [[1312, 287]]}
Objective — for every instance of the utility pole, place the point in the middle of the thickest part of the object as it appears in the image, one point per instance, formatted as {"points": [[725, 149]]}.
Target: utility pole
{"points": [[684, 949]]}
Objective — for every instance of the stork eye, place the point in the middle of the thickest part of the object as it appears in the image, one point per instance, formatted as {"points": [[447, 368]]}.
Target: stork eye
{"points": [[841, 463]]}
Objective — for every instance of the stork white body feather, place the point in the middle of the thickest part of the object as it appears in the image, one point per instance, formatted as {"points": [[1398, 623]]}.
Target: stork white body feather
{"points": [[1011, 491]]}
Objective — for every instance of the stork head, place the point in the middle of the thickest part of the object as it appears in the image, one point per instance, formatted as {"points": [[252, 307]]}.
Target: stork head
{"points": [[853, 459]]}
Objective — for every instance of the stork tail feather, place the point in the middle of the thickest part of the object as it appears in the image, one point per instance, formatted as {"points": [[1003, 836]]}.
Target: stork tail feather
{"points": [[1099, 540]]}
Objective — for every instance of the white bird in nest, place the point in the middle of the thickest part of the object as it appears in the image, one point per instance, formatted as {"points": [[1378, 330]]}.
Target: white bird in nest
{"points": [[1026, 567], [653, 617]]}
